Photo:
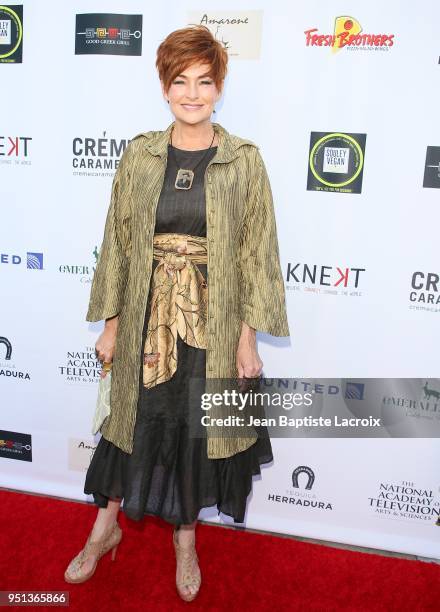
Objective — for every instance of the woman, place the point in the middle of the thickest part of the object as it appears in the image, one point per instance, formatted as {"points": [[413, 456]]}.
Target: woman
{"points": [[190, 206]]}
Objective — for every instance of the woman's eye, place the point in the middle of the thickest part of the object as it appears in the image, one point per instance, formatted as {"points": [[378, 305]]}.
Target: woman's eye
{"points": [[207, 82]]}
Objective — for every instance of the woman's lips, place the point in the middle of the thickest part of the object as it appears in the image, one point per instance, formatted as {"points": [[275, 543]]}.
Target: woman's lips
{"points": [[192, 107]]}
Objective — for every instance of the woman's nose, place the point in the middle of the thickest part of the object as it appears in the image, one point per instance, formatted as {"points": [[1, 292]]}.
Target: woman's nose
{"points": [[192, 92]]}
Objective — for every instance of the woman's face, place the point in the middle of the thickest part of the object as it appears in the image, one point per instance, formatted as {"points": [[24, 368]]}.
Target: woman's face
{"points": [[193, 94]]}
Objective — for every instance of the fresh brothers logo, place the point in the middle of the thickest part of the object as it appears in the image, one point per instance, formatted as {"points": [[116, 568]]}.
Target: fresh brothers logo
{"points": [[348, 34]]}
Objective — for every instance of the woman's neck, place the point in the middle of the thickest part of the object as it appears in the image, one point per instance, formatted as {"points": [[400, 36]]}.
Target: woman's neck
{"points": [[193, 137]]}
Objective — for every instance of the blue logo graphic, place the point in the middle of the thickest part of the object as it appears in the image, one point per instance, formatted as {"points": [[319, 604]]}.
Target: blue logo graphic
{"points": [[34, 261], [354, 391]]}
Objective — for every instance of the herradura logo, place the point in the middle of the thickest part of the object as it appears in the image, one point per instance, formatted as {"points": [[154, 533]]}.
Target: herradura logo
{"points": [[348, 34]]}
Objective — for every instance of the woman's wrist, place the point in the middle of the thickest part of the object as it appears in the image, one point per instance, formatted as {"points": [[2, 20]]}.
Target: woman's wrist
{"points": [[247, 331], [112, 324]]}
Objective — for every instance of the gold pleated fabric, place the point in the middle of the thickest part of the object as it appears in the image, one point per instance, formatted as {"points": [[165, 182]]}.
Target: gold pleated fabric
{"points": [[178, 303], [245, 277]]}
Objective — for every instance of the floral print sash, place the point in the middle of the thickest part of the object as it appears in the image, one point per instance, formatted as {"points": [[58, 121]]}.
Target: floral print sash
{"points": [[178, 303]]}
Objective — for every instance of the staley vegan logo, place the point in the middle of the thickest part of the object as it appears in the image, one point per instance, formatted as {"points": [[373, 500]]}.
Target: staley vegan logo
{"points": [[108, 34], [336, 162], [11, 34]]}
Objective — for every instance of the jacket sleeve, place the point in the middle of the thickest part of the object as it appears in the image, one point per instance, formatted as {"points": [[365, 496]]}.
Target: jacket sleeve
{"points": [[110, 278], [263, 302]]}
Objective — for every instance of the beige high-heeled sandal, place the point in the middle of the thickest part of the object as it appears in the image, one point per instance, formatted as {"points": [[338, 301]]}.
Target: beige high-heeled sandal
{"points": [[109, 541], [190, 574]]}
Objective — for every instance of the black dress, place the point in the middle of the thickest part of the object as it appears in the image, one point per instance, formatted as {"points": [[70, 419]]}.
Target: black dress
{"points": [[168, 474]]}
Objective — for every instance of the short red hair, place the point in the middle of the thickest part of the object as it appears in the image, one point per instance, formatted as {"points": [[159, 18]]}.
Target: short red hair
{"points": [[191, 45]]}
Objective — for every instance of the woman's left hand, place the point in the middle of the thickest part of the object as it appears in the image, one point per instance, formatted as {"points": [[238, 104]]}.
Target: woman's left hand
{"points": [[249, 364]]}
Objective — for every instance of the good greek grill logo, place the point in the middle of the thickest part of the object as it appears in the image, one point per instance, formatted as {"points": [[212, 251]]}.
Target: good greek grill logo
{"points": [[15, 445], [108, 34], [336, 162]]}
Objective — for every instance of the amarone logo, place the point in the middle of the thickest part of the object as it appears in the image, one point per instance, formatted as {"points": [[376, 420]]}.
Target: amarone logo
{"points": [[348, 33]]}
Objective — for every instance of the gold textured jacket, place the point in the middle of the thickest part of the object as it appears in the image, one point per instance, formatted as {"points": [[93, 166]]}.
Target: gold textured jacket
{"points": [[244, 272]]}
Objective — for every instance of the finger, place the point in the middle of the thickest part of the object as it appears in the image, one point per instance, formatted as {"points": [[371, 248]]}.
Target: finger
{"points": [[240, 375], [250, 372]]}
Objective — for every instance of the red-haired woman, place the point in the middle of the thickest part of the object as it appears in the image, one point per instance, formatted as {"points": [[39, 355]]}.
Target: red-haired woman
{"points": [[186, 201]]}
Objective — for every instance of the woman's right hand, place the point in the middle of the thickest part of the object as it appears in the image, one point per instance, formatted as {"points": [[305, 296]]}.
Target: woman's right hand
{"points": [[105, 345]]}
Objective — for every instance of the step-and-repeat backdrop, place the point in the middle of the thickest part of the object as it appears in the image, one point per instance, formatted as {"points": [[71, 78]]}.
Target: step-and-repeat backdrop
{"points": [[341, 98]]}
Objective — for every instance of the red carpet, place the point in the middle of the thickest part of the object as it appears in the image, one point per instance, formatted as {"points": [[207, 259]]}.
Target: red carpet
{"points": [[240, 570]]}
